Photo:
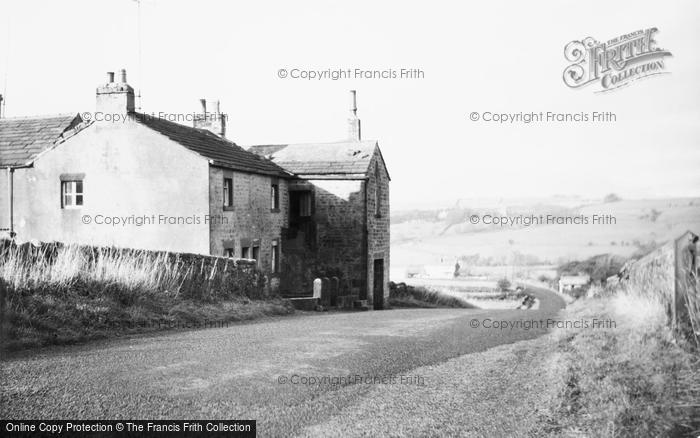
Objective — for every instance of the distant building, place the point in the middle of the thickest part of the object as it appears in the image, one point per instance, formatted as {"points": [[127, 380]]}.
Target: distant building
{"points": [[568, 283], [145, 182]]}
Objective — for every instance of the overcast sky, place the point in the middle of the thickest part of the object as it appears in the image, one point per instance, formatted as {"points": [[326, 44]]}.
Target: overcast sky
{"points": [[483, 56]]}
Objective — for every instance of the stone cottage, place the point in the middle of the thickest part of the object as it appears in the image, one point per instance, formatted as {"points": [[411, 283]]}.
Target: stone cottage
{"points": [[121, 178], [338, 208]]}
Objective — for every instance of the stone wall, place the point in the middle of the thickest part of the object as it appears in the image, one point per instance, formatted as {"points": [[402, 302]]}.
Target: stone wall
{"points": [[378, 226], [251, 220], [339, 211], [666, 275], [654, 276]]}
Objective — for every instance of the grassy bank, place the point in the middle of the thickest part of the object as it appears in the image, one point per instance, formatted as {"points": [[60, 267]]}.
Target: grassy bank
{"points": [[403, 295], [630, 379], [63, 294]]}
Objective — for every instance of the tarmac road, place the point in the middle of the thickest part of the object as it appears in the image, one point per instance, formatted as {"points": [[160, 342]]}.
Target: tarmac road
{"points": [[312, 374]]}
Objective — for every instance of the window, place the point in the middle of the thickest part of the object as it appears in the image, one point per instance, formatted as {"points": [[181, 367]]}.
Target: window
{"points": [[377, 192], [228, 192], [275, 257], [250, 248], [71, 194], [228, 252], [305, 204], [256, 253], [275, 196]]}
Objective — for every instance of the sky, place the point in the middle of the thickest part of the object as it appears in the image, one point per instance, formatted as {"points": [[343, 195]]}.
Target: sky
{"points": [[497, 56]]}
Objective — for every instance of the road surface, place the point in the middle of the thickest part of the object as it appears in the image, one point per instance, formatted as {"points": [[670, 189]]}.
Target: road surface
{"points": [[312, 374]]}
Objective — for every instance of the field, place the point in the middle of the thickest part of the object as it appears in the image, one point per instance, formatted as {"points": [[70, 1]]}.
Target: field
{"points": [[477, 292]]}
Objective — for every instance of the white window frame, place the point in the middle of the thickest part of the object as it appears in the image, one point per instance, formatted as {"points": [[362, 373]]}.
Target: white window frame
{"points": [[275, 195], [70, 195]]}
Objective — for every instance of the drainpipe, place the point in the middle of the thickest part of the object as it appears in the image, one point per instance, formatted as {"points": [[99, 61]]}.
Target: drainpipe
{"points": [[10, 199]]}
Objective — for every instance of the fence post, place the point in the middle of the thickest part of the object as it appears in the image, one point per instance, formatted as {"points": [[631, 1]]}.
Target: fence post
{"points": [[317, 288]]}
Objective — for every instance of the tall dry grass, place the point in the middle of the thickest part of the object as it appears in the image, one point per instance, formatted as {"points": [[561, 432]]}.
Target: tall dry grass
{"points": [[190, 276], [632, 379], [403, 295], [71, 264], [58, 294]]}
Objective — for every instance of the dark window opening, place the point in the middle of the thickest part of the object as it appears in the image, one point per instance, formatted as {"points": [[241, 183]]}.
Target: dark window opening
{"points": [[305, 204], [275, 257], [377, 192], [228, 192], [301, 224]]}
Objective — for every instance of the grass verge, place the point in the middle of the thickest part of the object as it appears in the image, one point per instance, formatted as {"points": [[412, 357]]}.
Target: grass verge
{"points": [[628, 380], [66, 294], [403, 295]]}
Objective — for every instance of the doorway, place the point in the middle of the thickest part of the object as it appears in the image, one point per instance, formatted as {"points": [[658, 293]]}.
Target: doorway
{"points": [[378, 284]]}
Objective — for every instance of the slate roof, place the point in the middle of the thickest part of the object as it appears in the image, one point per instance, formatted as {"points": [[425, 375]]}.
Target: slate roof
{"points": [[339, 158], [23, 138], [219, 151]]}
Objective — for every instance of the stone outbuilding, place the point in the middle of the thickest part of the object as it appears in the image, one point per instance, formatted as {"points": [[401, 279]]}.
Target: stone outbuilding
{"points": [[567, 283], [339, 210]]}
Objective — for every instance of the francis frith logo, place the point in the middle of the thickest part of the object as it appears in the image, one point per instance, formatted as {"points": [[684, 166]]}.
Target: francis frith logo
{"points": [[615, 63]]}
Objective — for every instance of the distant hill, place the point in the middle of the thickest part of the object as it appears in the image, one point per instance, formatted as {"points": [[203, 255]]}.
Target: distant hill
{"points": [[435, 237]]}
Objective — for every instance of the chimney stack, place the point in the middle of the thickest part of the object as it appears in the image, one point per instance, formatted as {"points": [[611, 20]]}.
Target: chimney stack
{"points": [[354, 132], [115, 98], [211, 118]]}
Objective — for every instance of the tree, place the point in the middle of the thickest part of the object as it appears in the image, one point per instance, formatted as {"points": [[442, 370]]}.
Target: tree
{"points": [[503, 284], [611, 197]]}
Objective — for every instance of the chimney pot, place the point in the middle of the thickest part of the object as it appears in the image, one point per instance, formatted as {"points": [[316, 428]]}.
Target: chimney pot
{"points": [[113, 98], [211, 118], [354, 130], [353, 101]]}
